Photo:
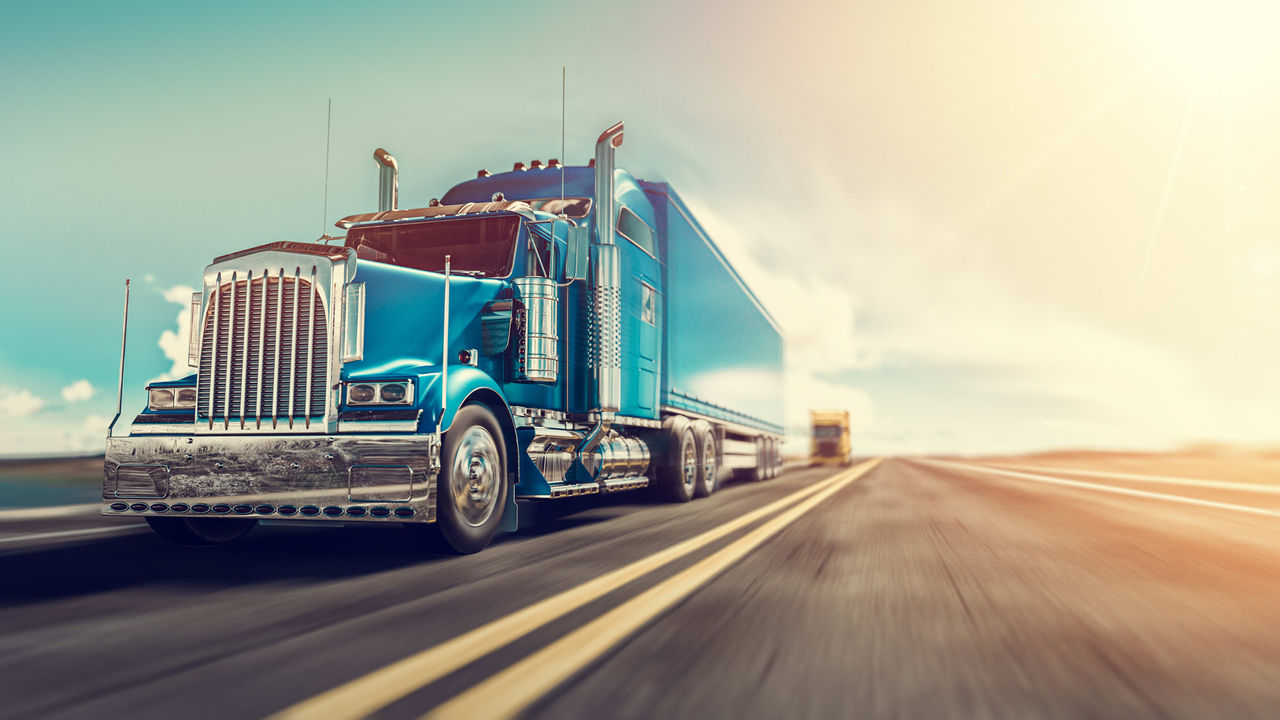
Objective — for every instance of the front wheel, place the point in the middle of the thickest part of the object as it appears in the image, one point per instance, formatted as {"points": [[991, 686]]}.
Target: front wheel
{"points": [[473, 487]]}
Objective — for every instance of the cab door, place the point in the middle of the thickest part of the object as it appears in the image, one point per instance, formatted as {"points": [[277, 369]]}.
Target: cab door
{"points": [[641, 315]]}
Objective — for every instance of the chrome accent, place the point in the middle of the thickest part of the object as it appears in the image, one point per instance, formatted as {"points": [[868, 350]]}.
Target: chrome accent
{"points": [[552, 451], [377, 426], [444, 358], [630, 420], [293, 351], [215, 297], [625, 483], [538, 359], [124, 335], [475, 476], [388, 180], [285, 368], [244, 387], [617, 456], [604, 323], [311, 470], [409, 394], [311, 345], [353, 323], [193, 342]]}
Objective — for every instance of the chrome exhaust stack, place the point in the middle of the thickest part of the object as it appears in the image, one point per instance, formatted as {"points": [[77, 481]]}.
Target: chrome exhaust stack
{"points": [[604, 326], [388, 180]]}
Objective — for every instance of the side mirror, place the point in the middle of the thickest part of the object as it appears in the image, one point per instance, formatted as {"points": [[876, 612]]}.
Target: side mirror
{"points": [[575, 260]]}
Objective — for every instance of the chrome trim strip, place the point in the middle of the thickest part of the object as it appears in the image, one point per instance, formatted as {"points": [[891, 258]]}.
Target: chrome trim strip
{"points": [[262, 344], [377, 426], [311, 341], [275, 385], [231, 353], [248, 310], [213, 346], [293, 336]]}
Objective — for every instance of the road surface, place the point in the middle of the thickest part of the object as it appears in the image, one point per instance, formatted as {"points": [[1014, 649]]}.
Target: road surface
{"points": [[903, 588]]}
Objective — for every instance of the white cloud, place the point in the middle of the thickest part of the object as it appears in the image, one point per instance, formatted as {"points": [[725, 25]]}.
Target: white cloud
{"points": [[18, 403], [174, 344], [77, 391]]}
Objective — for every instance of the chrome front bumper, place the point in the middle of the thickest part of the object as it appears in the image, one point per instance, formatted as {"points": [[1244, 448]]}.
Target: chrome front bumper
{"points": [[388, 478]]}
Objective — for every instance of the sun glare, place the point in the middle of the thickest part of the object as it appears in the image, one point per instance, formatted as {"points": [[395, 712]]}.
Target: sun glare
{"points": [[1221, 39]]}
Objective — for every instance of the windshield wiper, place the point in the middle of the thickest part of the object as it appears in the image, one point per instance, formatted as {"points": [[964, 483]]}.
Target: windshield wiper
{"points": [[469, 273]]}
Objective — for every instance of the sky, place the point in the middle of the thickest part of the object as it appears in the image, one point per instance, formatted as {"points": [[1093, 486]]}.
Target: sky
{"points": [[989, 226]]}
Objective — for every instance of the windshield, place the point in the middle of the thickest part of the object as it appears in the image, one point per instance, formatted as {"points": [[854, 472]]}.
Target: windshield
{"points": [[477, 246], [826, 432]]}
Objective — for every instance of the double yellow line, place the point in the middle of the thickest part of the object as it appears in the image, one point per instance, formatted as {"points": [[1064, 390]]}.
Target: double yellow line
{"points": [[510, 691]]}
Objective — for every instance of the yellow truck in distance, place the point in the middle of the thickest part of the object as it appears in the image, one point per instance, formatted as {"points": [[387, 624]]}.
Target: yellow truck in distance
{"points": [[831, 444]]}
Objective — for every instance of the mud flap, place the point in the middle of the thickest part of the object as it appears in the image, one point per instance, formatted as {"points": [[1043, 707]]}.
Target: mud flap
{"points": [[510, 513]]}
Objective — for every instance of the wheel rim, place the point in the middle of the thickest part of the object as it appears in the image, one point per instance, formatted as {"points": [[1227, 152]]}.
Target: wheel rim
{"points": [[709, 462], [475, 476], [690, 465]]}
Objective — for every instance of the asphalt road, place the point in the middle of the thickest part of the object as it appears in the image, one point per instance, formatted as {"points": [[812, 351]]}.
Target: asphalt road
{"points": [[911, 588]]}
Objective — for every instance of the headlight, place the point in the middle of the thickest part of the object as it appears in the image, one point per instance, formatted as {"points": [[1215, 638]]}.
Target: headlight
{"points": [[392, 393], [171, 398], [360, 394], [399, 392]]}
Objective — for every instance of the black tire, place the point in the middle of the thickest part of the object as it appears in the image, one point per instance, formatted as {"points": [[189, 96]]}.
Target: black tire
{"points": [[708, 466], [469, 511], [678, 472], [201, 531]]}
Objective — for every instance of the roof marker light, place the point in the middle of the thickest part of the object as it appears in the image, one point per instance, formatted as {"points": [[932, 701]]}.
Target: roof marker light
{"points": [[535, 165], [483, 173], [518, 166]]}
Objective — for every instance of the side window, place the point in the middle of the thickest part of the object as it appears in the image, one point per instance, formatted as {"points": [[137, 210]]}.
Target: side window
{"points": [[648, 304], [631, 227]]}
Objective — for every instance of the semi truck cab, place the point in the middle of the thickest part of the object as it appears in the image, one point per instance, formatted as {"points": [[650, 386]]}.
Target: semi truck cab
{"points": [[537, 334]]}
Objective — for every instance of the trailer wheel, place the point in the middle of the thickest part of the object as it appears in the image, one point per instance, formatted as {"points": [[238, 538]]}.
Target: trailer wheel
{"points": [[201, 531], [708, 468], [678, 476], [472, 487]]}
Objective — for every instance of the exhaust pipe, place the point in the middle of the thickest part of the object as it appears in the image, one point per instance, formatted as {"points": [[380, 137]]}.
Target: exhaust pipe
{"points": [[604, 324], [388, 180]]}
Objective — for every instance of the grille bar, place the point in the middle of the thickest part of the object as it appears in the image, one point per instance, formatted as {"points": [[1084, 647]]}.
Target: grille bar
{"points": [[264, 351]]}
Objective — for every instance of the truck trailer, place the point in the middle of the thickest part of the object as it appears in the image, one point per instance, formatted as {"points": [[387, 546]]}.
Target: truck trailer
{"points": [[544, 333]]}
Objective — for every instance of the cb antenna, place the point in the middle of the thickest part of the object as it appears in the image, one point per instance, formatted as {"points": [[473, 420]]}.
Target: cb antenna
{"points": [[563, 159], [325, 237]]}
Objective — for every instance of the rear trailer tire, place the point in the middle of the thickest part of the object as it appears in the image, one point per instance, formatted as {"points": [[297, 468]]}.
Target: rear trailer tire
{"points": [[678, 476], [708, 467], [472, 488], [201, 531]]}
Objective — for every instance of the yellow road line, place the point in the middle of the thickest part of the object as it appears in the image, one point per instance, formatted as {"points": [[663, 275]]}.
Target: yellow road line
{"points": [[367, 694], [511, 691]]}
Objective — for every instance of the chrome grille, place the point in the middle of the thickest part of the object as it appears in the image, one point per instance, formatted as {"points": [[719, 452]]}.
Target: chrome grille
{"points": [[264, 350]]}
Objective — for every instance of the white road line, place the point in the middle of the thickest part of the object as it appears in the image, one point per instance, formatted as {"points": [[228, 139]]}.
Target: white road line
{"points": [[366, 695], [73, 533], [1163, 479], [52, 511], [508, 693], [1110, 489]]}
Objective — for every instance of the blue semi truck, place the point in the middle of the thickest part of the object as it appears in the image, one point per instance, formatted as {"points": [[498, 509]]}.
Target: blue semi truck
{"points": [[543, 333]]}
